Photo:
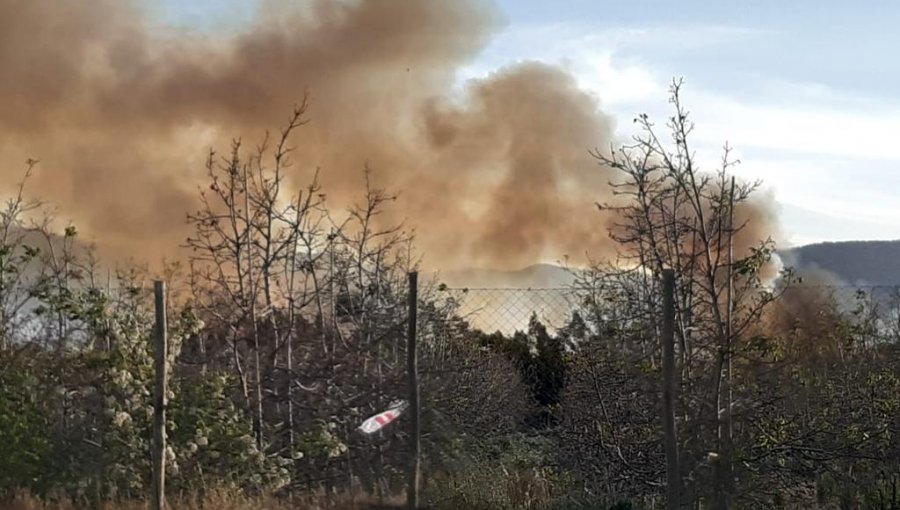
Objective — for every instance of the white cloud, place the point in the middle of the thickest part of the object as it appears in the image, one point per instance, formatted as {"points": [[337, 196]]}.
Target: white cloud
{"points": [[826, 154], [821, 130], [617, 84]]}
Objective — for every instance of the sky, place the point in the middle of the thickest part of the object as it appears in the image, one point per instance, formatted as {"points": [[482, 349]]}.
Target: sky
{"points": [[805, 91]]}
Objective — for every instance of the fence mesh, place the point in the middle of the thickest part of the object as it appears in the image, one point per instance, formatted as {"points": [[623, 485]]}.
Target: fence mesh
{"points": [[477, 396], [508, 310], [601, 419]]}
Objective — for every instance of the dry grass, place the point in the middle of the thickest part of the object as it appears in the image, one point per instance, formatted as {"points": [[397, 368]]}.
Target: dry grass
{"points": [[214, 501]]}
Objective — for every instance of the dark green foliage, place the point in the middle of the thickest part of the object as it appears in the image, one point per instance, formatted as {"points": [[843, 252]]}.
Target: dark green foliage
{"points": [[539, 357], [548, 365], [24, 420]]}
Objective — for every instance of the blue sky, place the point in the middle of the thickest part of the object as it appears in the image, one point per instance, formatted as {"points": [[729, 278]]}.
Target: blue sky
{"points": [[808, 92]]}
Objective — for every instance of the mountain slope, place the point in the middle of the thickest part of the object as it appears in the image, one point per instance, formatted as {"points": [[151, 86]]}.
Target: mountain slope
{"points": [[847, 262], [851, 262]]}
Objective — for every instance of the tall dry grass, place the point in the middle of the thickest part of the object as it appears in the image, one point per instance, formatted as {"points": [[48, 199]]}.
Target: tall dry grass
{"points": [[212, 501]]}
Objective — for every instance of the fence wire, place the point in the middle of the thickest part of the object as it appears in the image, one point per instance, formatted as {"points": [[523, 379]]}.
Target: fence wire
{"points": [[354, 368], [605, 413], [508, 310]]}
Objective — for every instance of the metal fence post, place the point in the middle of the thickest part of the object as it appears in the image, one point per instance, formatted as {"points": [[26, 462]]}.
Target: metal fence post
{"points": [[159, 398], [412, 494], [673, 476]]}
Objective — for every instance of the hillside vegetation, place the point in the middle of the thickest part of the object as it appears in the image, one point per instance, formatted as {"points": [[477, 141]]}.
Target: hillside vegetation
{"points": [[851, 262]]}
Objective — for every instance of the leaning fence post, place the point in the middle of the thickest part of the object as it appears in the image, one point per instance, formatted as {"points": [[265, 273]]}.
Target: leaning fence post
{"points": [[412, 489], [673, 475], [159, 398]]}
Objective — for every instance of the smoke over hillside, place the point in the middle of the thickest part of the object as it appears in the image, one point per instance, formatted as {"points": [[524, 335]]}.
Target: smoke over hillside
{"points": [[121, 116], [121, 119]]}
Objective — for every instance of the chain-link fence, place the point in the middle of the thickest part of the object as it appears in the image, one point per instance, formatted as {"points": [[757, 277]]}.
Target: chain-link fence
{"points": [[566, 380], [518, 385], [508, 310]]}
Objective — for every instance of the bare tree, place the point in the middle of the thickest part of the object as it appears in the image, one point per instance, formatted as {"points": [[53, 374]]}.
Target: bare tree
{"points": [[673, 215], [245, 241], [18, 257]]}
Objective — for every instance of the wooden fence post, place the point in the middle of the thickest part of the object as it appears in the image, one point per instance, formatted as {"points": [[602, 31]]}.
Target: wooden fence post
{"points": [[673, 475], [160, 353], [412, 489]]}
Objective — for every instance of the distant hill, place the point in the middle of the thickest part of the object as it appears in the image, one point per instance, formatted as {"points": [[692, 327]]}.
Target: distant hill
{"points": [[847, 262], [851, 262]]}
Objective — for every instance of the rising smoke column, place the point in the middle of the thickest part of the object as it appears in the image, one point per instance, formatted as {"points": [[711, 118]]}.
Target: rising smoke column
{"points": [[121, 114]]}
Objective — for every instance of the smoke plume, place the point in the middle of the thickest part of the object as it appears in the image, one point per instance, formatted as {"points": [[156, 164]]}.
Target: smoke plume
{"points": [[121, 115]]}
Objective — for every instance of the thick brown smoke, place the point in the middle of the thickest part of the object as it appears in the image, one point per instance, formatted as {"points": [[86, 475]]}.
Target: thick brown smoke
{"points": [[121, 116]]}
